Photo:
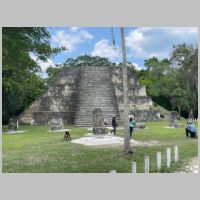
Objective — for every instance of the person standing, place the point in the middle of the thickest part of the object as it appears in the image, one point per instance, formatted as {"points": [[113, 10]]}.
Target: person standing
{"points": [[131, 125], [114, 124]]}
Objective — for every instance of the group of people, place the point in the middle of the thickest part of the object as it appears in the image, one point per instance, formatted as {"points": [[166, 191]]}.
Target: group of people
{"points": [[132, 124], [190, 129]]}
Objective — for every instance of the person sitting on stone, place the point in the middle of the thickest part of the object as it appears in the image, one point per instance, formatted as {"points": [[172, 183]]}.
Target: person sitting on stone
{"points": [[190, 129], [114, 124]]}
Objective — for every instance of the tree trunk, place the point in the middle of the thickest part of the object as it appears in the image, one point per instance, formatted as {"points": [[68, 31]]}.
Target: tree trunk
{"points": [[127, 148], [179, 112], [190, 113]]}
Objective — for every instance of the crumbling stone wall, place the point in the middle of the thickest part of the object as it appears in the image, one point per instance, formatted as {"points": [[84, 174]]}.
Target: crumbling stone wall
{"points": [[139, 103], [61, 97]]}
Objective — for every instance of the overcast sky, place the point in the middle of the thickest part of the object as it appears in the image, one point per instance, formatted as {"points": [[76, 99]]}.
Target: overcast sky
{"points": [[141, 43]]}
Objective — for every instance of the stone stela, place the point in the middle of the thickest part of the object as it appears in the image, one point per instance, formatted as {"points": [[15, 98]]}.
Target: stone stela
{"points": [[56, 123], [172, 119], [98, 124], [13, 125]]}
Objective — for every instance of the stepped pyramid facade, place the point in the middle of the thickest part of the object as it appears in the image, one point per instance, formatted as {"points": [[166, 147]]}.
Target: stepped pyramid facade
{"points": [[77, 91]]}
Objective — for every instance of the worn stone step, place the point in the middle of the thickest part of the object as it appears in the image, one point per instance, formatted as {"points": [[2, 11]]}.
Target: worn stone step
{"points": [[91, 99], [96, 93], [105, 109], [96, 90], [89, 113]]}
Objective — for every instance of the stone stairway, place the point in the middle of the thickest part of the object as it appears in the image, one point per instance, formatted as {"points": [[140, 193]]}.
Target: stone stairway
{"points": [[95, 90]]}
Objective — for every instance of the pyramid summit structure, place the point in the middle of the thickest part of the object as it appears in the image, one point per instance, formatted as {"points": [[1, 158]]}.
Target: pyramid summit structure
{"points": [[77, 91]]}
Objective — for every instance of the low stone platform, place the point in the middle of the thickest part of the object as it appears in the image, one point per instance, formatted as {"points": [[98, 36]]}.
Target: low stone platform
{"points": [[109, 139], [60, 130], [100, 130]]}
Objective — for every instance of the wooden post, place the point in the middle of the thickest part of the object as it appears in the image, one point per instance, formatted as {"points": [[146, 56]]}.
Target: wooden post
{"points": [[146, 164], [159, 161], [134, 167], [168, 157], [175, 153]]}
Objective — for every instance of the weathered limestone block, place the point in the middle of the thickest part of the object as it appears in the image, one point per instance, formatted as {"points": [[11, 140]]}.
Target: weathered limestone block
{"points": [[97, 118], [141, 91], [145, 115], [140, 102], [42, 117], [173, 119], [98, 122], [13, 124], [56, 122]]}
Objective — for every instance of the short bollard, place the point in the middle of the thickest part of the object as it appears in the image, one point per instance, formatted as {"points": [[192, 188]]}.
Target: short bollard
{"points": [[134, 167], [175, 153], [146, 164], [159, 161], [168, 157], [113, 171]]}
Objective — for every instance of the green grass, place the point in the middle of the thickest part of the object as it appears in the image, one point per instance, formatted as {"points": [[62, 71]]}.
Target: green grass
{"points": [[40, 151]]}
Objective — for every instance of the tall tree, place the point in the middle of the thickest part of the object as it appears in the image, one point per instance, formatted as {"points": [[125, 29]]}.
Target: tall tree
{"points": [[52, 73], [157, 79], [173, 83], [178, 99], [185, 60], [20, 82]]}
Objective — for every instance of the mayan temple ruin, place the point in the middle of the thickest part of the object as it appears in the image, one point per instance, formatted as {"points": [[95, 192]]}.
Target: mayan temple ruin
{"points": [[77, 91]]}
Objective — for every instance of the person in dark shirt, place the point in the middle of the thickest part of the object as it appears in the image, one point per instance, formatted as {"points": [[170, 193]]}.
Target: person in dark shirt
{"points": [[190, 129], [114, 125]]}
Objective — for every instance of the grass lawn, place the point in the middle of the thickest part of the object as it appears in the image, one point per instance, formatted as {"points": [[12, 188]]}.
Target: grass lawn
{"points": [[40, 151]]}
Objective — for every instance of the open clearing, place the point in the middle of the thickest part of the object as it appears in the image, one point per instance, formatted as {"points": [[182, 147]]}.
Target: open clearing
{"points": [[39, 151]]}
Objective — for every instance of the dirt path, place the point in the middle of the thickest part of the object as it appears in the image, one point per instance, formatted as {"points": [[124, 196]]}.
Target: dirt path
{"points": [[192, 166]]}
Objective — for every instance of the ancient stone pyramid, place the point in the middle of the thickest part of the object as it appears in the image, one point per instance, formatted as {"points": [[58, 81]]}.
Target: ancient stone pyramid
{"points": [[77, 91]]}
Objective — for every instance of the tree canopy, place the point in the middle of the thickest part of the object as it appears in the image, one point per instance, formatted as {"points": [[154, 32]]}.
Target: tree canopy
{"points": [[21, 83], [173, 83], [87, 60]]}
